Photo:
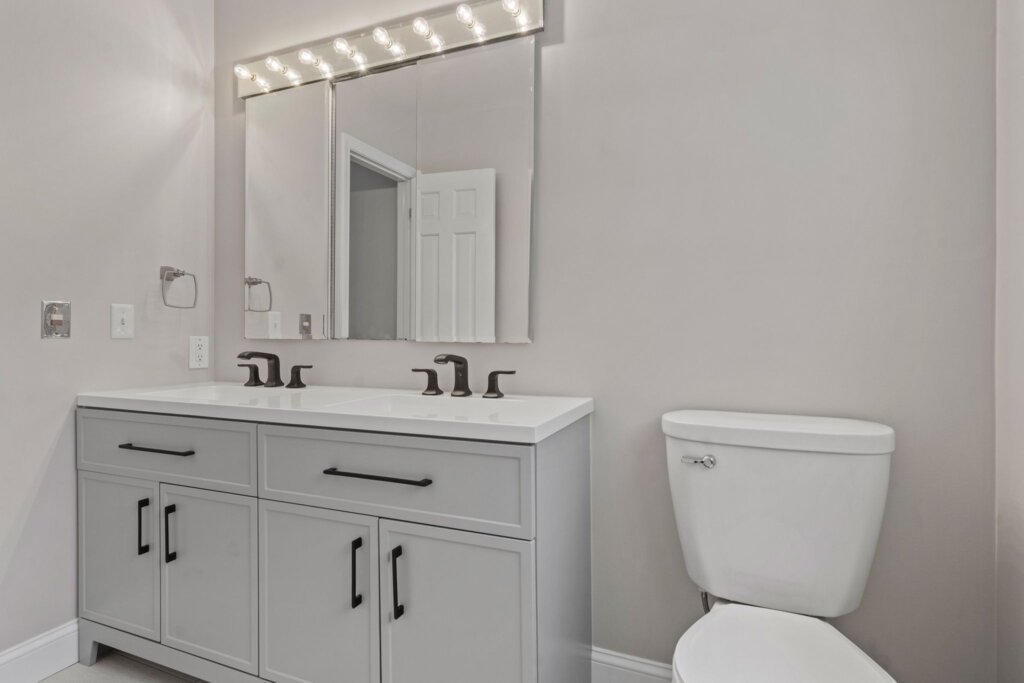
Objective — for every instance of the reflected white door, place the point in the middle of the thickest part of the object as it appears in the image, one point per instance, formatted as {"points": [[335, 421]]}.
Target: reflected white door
{"points": [[455, 256]]}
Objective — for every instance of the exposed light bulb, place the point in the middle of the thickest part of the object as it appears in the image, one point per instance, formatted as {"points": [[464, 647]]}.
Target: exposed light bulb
{"points": [[360, 60], [512, 7], [421, 27], [479, 30], [291, 74], [382, 37], [274, 64], [325, 68], [307, 57], [397, 50], [522, 19], [437, 41], [243, 72], [464, 13], [342, 47]]}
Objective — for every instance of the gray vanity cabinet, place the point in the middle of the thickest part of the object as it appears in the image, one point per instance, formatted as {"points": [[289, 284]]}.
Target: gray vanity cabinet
{"points": [[209, 577], [119, 541], [464, 610], [243, 552], [319, 615]]}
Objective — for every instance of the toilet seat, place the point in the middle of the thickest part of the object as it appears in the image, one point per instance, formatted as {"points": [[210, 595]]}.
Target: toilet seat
{"points": [[743, 644]]}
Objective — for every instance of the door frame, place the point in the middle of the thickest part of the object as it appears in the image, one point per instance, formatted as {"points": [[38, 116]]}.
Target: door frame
{"points": [[352, 149]]}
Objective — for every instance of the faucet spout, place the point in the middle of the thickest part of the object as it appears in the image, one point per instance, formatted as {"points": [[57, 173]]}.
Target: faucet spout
{"points": [[461, 372], [273, 366]]}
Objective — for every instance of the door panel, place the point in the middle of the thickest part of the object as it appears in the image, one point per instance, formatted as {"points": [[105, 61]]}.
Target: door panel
{"points": [[455, 245], [466, 606], [209, 576], [118, 545], [314, 627]]}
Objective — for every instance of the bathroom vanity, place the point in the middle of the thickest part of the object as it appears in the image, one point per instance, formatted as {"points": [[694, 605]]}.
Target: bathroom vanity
{"points": [[336, 534]]}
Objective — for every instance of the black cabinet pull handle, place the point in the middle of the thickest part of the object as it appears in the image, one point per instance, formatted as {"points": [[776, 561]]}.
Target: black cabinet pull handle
{"points": [[335, 472], [143, 549], [168, 555], [133, 447], [399, 609], [356, 598]]}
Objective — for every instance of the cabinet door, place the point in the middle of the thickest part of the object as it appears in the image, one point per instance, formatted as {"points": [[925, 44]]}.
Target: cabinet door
{"points": [[319, 609], [209, 581], [118, 553], [456, 606]]}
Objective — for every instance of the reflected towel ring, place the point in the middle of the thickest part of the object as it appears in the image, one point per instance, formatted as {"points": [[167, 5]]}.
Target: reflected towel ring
{"points": [[251, 282], [169, 274]]}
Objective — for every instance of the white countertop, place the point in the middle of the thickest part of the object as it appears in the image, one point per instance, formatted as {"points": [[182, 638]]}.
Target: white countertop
{"points": [[517, 419]]}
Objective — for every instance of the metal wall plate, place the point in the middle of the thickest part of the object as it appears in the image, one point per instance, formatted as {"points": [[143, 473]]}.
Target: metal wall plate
{"points": [[56, 319]]}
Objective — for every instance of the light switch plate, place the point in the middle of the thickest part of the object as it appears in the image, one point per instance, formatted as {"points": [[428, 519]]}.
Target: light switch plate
{"points": [[274, 325], [122, 321], [56, 319], [198, 352]]}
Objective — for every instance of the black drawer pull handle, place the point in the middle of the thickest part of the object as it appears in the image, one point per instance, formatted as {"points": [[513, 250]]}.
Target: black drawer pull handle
{"points": [[335, 472], [133, 447], [168, 555], [143, 549], [356, 598], [399, 609]]}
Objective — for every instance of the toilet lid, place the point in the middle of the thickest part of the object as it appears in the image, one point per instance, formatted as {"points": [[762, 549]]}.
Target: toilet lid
{"points": [[743, 644]]}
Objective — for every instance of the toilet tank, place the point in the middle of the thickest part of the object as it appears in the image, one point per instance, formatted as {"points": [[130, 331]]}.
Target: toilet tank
{"points": [[778, 511]]}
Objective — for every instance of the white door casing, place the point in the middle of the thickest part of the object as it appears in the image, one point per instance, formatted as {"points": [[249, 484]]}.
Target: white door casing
{"points": [[351, 149]]}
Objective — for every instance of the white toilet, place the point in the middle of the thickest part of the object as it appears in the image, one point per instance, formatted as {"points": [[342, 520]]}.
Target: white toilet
{"points": [[779, 517]]}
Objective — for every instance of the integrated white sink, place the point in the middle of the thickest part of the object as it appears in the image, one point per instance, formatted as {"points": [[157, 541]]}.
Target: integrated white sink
{"points": [[464, 409], [259, 397], [519, 419]]}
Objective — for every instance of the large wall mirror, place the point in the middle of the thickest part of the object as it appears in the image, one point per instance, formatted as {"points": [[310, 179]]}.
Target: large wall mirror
{"points": [[396, 205]]}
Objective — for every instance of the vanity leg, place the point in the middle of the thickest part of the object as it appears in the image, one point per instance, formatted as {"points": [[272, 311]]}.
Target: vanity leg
{"points": [[88, 650]]}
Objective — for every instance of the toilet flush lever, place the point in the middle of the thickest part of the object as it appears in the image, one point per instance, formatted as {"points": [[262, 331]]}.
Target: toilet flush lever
{"points": [[708, 461]]}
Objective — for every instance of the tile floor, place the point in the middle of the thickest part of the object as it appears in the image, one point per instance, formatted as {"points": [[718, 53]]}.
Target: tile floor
{"points": [[115, 667]]}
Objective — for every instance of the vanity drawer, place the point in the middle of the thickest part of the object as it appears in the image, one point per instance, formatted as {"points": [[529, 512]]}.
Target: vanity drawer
{"points": [[209, 454], [477, 486]]}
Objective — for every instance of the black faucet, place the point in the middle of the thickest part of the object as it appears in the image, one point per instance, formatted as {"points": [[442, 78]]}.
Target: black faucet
{"points": [[461, 372], [273, 366]]}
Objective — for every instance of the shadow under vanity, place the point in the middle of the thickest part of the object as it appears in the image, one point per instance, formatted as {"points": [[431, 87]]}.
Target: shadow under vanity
{"points": [[336, 534]]}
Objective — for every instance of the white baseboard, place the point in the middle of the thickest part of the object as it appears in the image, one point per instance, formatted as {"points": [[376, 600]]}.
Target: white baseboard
{"points": [[613, 667], [53, 651], [42, 656]]}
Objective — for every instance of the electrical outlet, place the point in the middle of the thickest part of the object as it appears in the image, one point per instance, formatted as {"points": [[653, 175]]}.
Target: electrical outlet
{"points": [[122, 321], [198, 352]]}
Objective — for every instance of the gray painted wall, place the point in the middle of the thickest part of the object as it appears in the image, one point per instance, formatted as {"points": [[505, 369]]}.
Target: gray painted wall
{"points": [[373, 243], [1010, 344], [106, 174], [778, 206]]}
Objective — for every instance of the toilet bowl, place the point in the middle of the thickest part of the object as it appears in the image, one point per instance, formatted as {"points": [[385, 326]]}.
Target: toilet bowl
{"points": [[778, 517], [742, 644]]}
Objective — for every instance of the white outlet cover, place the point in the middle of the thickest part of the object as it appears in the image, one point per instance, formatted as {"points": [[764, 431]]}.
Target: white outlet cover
{"points": [[198, 352], [122, 321]]}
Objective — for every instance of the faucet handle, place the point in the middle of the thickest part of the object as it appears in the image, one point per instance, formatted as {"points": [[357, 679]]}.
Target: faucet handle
{"points": [[492, 383], [297, 382], [432, 388], [254, 374]]}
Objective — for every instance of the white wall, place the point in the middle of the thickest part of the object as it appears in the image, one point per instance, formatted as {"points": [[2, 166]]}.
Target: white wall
{"points": [[780, 206], [1010, 344], [106, 173]]}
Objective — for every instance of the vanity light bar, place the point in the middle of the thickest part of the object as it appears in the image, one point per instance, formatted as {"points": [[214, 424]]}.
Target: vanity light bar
{"points": [[446, 29]]}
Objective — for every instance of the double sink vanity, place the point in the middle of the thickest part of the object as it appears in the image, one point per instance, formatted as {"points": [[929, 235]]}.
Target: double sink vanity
{"points": [[309, 534], [336, 534]]}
